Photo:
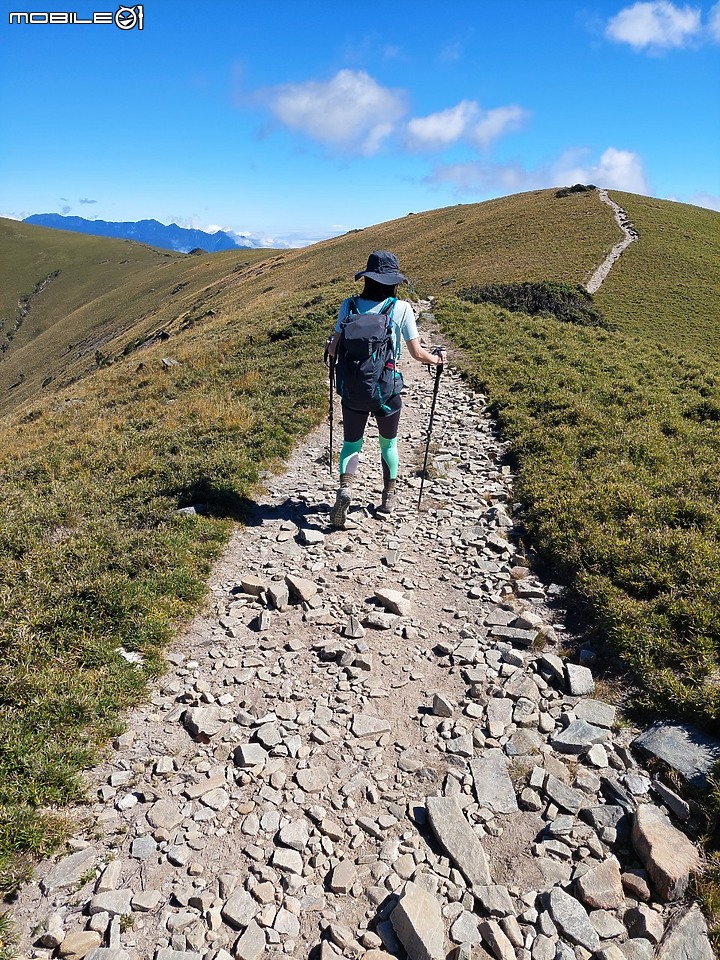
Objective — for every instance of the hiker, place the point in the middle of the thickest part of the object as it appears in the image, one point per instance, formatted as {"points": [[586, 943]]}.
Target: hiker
{"points": [[378, 298]]}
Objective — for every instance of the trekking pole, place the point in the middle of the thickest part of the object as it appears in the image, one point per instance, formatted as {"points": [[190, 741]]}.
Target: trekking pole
{"points": [[330, 364], [438, 372]]}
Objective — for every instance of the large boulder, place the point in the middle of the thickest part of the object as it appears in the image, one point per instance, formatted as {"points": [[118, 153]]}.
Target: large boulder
{"points": [[667, 854], [418, 924]]}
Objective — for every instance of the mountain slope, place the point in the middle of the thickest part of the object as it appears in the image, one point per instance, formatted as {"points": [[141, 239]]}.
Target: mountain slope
{"points": [[666, 286], [108, 293], [170, 237], [64, 296]]}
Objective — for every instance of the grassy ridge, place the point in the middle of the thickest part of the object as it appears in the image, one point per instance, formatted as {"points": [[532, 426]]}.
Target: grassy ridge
{"points": [[665, 287], [100, 290], [617, 447], [530, 236], [110, 293]]}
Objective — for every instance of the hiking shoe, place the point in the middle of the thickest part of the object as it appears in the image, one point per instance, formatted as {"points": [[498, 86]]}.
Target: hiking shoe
{"points": [[388, 503], [339, 510]]}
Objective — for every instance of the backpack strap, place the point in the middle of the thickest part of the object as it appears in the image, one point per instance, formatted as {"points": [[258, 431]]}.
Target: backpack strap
{"points": [[389, 306], [387, 310], [352, 312]]}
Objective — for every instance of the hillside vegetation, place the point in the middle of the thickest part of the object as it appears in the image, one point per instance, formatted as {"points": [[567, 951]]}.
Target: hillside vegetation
{"points": [[94, 465], [665, 288], [66, 299], [105, 294]]}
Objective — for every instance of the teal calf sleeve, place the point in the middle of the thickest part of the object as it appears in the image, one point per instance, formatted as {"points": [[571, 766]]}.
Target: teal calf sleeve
{"points": [[349, 450], [389, 453]]}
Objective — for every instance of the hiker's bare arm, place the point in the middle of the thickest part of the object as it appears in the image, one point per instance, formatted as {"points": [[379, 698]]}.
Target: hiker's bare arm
{"points": [[332, 346], [423, 356]]}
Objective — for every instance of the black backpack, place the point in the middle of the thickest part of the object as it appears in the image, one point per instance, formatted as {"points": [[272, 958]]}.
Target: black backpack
{"points": [[365, 374]]}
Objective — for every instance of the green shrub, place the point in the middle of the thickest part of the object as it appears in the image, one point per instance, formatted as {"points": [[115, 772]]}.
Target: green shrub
{"points": [[576, 188], [567, 302]]}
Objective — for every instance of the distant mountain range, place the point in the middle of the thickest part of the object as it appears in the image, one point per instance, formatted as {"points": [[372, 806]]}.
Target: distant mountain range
{"points": [[152, 232]]}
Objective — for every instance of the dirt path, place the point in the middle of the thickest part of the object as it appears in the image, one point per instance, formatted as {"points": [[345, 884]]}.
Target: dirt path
{"points": [[630, 234], [368, 741]]}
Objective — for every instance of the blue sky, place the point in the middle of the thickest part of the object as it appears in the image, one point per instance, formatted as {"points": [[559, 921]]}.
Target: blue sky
{"points": [[299, 120]]}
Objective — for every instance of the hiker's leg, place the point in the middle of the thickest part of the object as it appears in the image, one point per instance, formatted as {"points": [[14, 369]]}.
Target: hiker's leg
{"points": [[388, 426], [353, 429], [354, 423]]}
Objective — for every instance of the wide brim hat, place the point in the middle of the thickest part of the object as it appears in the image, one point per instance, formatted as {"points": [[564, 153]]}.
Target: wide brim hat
{"points": [[383, 267]]}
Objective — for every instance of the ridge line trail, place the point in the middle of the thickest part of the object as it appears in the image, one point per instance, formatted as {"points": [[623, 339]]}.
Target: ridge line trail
{"points": [[630, 234], [272, 792]]}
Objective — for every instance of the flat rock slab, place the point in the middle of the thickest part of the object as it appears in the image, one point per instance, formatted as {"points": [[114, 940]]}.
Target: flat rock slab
{"points": [[579, 680], [571, 917], [365, 726], [252, 585], [239, 910], [499, 715], [669, 857], [493, 934], [578, 737], [70, 870], [251, 944], [565, 797], [313, 780], [418, 923], [458, 838], [205, 721], [596, 712], [686, 938], [394, 602], [685, 749], [79, 944], [250, 755], [164, 814], [493, 786], [495, 900], [114, 902], [310, 537], [601, 887], [301, 588], [343, 877]]}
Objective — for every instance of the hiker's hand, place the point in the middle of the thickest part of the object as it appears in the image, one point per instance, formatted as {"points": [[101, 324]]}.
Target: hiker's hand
{"points": [[440, 357]]}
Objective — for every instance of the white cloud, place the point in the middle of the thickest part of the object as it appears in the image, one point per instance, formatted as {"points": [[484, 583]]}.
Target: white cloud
{"points": [[615, 169], [658, 24], [714, 23], [349, 112], [443, 128], [465, 121], [709, 200], [496, 123], [472, 179]]}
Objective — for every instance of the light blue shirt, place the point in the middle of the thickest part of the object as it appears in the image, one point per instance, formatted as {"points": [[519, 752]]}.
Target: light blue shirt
{"points": [[404, 325]]}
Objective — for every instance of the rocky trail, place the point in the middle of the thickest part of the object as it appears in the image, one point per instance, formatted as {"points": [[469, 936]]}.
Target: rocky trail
{"points": [[630, 235], [368, 746]]}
